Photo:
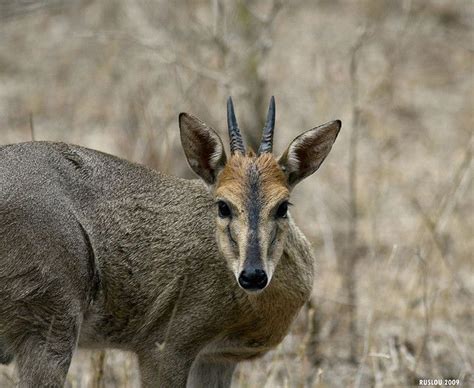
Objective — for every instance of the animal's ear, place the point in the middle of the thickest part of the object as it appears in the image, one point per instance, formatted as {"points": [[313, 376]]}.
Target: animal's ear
{"points": [[202, 146], [307, 151]]}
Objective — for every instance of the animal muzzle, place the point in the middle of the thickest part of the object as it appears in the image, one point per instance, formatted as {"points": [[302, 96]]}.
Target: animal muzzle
{"points": [[253, 279]]}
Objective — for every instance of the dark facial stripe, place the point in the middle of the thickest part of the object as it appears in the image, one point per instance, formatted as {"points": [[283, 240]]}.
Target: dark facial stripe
{"points": [[231, 238], [254, 206]]}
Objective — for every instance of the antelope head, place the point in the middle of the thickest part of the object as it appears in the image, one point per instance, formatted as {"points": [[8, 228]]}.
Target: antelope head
{"points": [[252, 190]]}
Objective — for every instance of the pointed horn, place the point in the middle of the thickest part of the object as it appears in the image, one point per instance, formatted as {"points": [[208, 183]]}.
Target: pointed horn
{"points": [[266, 145], [236, 142]]}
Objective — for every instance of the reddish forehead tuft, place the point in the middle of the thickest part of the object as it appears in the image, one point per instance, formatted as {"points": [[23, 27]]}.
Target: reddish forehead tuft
{"points": [[234, 179]]}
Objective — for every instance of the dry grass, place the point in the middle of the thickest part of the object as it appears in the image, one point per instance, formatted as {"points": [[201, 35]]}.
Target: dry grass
{"points": [[113, 75]]}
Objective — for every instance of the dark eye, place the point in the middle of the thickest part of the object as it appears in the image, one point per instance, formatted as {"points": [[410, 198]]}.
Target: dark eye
{"points": [[282, 210], [223, 208]]}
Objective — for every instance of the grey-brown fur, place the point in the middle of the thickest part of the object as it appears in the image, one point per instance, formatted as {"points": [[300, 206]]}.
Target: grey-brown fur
{"points": [[101, 252]]}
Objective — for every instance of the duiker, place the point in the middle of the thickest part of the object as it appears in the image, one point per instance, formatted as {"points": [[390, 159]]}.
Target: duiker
{"points": [[191, 275]]}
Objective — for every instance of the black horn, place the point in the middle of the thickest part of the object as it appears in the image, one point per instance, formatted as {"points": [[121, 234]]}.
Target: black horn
{"points": [[236, 142], [266, 144]]}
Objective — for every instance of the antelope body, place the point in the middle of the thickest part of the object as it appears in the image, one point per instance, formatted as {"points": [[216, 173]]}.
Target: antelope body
{"points": [[192, 275]]}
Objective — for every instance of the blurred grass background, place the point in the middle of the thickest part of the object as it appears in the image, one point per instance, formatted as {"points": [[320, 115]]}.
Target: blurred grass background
{"points": [[390, 213]]}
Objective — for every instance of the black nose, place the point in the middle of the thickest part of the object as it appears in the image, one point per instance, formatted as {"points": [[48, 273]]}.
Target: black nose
{"points": [[253, 279]]}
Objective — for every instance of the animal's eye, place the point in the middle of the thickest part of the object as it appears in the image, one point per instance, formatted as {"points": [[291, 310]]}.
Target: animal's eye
{"points": [[224, 210], [282, 210]]}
